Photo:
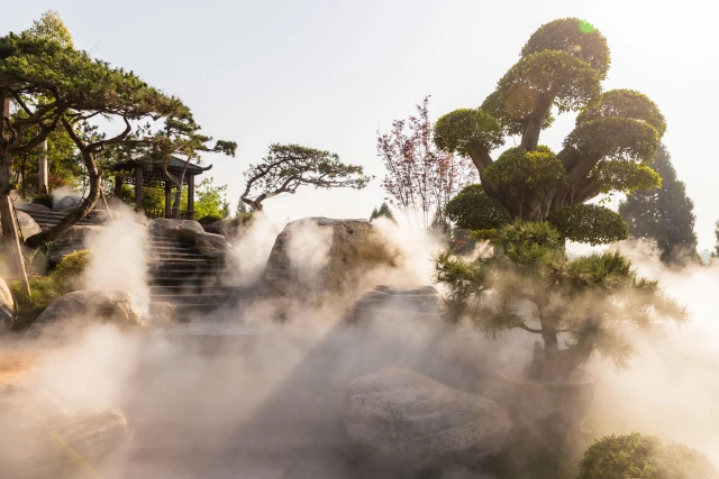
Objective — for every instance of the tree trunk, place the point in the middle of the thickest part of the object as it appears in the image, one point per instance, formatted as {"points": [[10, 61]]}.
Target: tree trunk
{"points": [[530, 135], [42, 170], [87, 205]]}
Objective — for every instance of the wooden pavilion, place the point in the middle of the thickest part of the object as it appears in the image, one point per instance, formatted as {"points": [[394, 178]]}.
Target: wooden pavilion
{"points": [[145, 173]]}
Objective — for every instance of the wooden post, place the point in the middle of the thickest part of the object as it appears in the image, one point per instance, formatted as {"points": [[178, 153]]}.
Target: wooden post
{"points": [[118, 187], [138, 188], [168, 199], [191, 197], [42, 170]]}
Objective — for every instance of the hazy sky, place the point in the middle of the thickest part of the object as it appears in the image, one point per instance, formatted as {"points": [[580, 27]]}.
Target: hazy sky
{"points": [[329, 74]]}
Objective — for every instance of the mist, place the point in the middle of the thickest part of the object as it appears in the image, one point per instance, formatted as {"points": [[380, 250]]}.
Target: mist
{"points": [[239, 394]]}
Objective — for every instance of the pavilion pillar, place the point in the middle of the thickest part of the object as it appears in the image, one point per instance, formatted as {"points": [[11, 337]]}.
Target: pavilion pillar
{"points": [[42, 170], [168, 199], [138, 188], [118, 187], [191, 197]]}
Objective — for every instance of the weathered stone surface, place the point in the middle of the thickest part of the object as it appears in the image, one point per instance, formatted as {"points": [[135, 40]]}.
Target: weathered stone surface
{"points": [[28, 226], [75, 239], [410, 418], [67, 203], [32, 207], [161, 313], [388, 302], [42, 442], [176, 228], [97, 305], [7, 306], [211, 245], [321, 255]]}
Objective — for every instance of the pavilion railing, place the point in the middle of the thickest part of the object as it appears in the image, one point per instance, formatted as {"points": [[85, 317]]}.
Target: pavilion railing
{"points": [[152, 213]]}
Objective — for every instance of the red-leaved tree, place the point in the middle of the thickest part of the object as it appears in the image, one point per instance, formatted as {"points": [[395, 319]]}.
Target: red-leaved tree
{"points": [[418, 174]]}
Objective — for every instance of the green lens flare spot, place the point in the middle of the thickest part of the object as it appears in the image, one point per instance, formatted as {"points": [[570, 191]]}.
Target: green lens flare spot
{"points": [[586, 27]]}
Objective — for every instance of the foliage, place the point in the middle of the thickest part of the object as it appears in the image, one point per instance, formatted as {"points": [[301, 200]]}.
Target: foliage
{"points": [[287, 167], [591, 224], [45, 200], [46, 289], [419, 174], [588, 299], [664, 215], [472, 209], [643, 457], [615, 136], [715, 253], [208, 220], [211, 200], [382, 212], [51, 27]]}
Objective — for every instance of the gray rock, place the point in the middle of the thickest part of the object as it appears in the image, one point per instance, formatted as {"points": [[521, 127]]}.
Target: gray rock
{"points": [[388, 302], [67, 203], [347, 249], [41, 441], [211, 245], [28, 226], [410, 418], [176, 228], [32, 207], [75, 239], [161, 313], [92, 305], [8, 309]]}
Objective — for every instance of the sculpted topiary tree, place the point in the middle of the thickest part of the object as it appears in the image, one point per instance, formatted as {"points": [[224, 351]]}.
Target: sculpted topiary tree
{"points": [[615, 138], [531, 201]]}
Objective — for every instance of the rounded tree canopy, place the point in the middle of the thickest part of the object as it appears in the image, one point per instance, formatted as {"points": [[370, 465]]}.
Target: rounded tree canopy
{"points": [[531, 169], [615, 137], [625, 104], [472, 209], [591, 224], [576, 37], [624, 176], [570, 81], [510, 112], [465, 129]]}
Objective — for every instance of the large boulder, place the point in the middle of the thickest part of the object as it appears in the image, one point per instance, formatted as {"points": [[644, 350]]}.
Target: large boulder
{"points": [[75, 239], [388, 302], [32, 207], [28, 226], [67, 203], [183, 229], [411, 419], [98, 305], [211, 245], [42, 441], [7, 306], [321, 255]]}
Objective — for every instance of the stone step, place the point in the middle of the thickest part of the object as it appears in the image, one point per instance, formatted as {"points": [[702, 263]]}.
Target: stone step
{"points": [[206, 298], [190, 288], [179, 281]]}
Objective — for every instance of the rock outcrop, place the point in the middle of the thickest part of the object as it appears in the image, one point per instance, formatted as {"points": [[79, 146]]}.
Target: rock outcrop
{"points": [[42, 442], [209, 244], [7, 306], [91, 305], [28, 226], [321, 255], [421, 303], [409, 418], [32, 207]]}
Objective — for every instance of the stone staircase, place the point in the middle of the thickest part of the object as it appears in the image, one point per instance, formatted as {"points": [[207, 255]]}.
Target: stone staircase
{"points": [[183, 277], [48, 219]]}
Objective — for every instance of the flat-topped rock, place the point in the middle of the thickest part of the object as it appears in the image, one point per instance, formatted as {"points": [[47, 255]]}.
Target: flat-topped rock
{"points": [[412, 419], [91, 305], [417, 303]]}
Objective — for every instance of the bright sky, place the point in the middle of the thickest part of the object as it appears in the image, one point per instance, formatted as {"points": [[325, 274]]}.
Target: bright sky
{"points": [[329, 73]]}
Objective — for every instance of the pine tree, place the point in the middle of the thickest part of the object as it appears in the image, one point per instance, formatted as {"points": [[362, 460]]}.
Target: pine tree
{"points": [[663, 214], [383, 211]]}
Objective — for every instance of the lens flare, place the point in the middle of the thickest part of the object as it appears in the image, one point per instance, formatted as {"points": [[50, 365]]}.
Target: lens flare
{"points": [[586, 27]]}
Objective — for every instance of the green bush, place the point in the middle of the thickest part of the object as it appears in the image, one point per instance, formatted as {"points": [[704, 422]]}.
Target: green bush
{"points": [[46, 200], [634, 456], [473, 210], [46, 289], [208, 220]]}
